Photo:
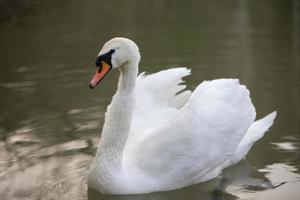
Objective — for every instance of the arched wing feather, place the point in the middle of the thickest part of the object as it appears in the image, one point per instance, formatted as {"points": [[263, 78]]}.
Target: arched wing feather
{"points": [[204, 133]]}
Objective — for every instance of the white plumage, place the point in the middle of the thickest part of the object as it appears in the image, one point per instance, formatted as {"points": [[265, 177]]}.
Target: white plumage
{"points": [[157, 137]]}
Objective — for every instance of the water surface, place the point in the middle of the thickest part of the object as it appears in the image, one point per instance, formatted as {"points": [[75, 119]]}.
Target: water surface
{"points": [[50, 120]]}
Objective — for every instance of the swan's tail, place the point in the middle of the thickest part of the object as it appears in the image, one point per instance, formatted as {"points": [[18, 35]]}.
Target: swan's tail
{"points": [[254, 133]]}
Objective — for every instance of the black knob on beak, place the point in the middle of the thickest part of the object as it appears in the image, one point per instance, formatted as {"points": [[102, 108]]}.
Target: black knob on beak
{"points": [[97, 63]]}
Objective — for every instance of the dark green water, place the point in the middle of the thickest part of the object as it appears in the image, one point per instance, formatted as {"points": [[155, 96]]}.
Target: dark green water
{"points": [[50, 120]]}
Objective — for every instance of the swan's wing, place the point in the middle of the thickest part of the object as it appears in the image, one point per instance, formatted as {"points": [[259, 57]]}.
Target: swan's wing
{"points": [[158, 97], [160, 89], [200, 138]]}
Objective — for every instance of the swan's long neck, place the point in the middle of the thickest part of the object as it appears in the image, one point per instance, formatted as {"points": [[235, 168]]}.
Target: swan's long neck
{"points": [[117, 121]]}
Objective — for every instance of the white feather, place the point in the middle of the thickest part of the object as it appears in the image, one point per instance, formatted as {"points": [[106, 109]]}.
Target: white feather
{"points": [[158, 136]]}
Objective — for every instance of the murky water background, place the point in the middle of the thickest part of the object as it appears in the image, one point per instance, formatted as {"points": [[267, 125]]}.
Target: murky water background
{"points": [[50, 120]]}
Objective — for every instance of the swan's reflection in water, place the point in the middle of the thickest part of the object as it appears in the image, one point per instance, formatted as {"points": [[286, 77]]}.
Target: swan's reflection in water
{"points": [[234, 179]]}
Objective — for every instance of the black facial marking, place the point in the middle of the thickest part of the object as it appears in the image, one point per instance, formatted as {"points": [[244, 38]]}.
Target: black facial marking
{"points": [[105, 57]]}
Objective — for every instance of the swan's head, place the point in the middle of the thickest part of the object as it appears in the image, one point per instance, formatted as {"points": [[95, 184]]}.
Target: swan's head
{"points": [[114, 54]]}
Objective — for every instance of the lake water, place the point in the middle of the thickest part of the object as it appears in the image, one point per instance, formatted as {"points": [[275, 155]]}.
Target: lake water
{"points": [[50, 121]]}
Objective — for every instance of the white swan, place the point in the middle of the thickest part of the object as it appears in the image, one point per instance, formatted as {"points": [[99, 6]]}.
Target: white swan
{"points": [[155, 139]]}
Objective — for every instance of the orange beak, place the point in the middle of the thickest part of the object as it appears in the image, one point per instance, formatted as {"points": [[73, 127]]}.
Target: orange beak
{"points": [[100, 74]]}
